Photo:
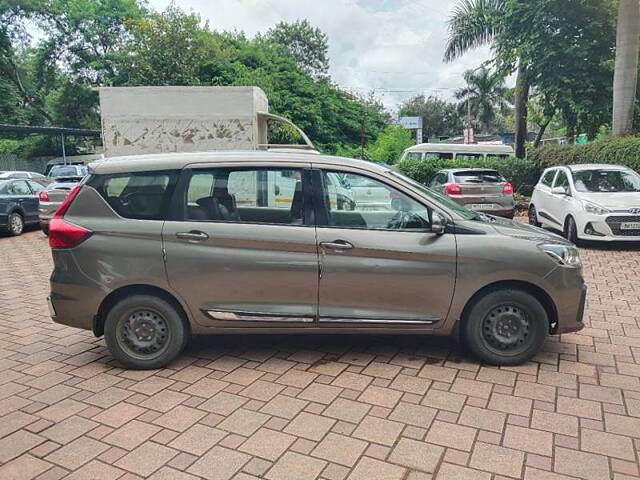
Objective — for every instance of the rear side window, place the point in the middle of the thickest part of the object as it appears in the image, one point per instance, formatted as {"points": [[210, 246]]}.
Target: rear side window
{"points": [[139, 195], [478, 176], [547, 179]]}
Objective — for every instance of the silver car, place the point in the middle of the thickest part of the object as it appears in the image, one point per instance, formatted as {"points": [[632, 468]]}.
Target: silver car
{"points": [[151, 249], [480, 189]]}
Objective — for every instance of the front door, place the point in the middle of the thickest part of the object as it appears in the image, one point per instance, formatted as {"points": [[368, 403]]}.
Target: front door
{"points": [[240, 248], [381, 264]]}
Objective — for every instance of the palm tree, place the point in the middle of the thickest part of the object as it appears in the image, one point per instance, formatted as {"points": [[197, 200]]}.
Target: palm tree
{"points": [[475, 23], [625, 77], [485, 92]]}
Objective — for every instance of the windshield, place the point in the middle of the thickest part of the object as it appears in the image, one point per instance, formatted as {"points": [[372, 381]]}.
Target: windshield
{"points": [[478, 176], [440, 199], [606, 181]]}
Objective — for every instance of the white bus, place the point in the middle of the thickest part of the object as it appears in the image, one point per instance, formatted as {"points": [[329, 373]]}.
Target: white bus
{"points": [[438, 151]]}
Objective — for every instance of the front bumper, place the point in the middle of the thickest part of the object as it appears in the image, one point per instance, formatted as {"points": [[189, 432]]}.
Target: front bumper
{"points": [[607, 228], [569, 294]]}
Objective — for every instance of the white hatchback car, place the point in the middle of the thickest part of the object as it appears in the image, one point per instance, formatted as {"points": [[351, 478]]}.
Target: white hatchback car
{"points": [[588, 202]]}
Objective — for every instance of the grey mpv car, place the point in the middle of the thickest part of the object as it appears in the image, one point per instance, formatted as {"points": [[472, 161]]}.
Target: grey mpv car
{"points": [[151, 249]]}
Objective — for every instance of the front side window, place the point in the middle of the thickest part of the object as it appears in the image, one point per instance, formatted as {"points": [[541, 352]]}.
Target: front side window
{"points": [[413, 156], [561, 180], [247, 195], [139, 195], [20, 188], [378, 207], [601, 180]]}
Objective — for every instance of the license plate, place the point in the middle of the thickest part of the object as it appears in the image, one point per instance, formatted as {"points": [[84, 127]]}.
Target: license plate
{"points": [[630, 226], [481, 206]]}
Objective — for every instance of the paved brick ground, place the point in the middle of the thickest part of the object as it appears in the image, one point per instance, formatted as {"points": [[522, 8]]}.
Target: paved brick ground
{"points": [[318, 407]]}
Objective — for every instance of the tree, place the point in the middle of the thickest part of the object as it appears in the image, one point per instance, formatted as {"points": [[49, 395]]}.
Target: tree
{"points": [[485, 92], [478, 22], [625, 78], [306, 43], [567, 46], [440, 118], [167, 48], [390, 144]]}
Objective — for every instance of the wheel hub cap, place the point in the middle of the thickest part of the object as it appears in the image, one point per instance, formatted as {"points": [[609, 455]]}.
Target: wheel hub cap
{"points": [[144, 332], [506, 327]]}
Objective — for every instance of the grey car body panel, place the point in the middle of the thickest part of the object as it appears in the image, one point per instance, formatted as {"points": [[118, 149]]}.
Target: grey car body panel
{"points": [[274, 279], [56, 192]]}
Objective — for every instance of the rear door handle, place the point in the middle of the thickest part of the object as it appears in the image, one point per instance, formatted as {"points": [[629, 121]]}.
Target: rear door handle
{"points": [[193, 236], [337, 245]]}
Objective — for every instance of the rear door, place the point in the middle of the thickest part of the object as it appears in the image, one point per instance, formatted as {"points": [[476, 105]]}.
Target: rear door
{"points": [[544, 200], [26, 198], [241, 248], [382, 267]]}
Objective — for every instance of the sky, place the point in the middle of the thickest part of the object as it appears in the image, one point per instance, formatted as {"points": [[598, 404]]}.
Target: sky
{"points": [[393, 47]]}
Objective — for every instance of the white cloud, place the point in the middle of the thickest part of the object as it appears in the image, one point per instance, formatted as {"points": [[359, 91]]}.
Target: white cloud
{"points": [[393, 47]]}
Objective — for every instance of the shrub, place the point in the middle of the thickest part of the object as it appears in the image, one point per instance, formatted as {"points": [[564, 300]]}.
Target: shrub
{"points": [[523, 174], [618, 151]]}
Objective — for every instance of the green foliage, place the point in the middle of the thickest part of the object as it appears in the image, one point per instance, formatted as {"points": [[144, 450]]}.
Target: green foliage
{"points": [[390, 144], [522, 173], [306, 44], [615, 151], [440, 118], [486, 94]]}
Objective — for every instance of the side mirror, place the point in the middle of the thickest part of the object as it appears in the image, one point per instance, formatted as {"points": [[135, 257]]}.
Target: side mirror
{"points": [[560, 191], [437, 223]]}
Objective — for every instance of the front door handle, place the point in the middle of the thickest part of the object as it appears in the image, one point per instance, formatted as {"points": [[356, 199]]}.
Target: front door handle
{"points": [[193, 236], [337, 245]]}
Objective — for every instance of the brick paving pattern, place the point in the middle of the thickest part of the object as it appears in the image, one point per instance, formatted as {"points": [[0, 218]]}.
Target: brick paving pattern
{"points": [[328, 407]]}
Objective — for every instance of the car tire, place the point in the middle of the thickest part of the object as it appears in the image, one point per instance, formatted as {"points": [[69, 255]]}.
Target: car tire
{"points": [[15, 224], [45, 228], [571, 230], [145, 332], [533, 216], [505, 327]]}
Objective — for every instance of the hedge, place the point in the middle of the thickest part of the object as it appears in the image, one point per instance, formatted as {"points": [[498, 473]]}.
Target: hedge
{"points": [[618, 151], [523, 174]]}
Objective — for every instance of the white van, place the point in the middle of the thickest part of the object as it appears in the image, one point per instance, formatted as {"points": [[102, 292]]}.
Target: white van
{"points": [[439, 151]]}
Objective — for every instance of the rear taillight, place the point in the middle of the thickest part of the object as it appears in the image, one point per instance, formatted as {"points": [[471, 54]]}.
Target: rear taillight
{"points": [[507, 189], [453, 189], [43, 196], [63, 234]]}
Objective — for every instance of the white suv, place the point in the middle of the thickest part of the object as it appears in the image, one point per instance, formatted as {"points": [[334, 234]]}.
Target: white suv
{"points": [[588, 202]]}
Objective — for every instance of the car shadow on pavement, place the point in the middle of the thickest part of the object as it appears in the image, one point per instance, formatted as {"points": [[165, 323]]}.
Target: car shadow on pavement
{"points": [[611, 246]]}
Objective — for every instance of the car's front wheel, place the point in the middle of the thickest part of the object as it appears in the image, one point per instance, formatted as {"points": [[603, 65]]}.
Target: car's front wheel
{"points": [[16, 224], [505, 327], [571, 231], [144, 332]]}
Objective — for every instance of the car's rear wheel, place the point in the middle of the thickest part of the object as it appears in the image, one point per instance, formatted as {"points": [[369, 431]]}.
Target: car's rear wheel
{"points": [[45, 228], [505, 327], [15, 224], [144, 332], [571, 231], [533, 216]]}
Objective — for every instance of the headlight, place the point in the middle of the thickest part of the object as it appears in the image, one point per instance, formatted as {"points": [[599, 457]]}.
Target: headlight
{"points": [[563, 254], [593, 208]]}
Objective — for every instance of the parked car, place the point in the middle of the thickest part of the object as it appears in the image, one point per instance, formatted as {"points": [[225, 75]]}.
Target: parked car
{"points": [[480, 189], [588, 202], [18, 204], [146, 256], [49, 201], [76, 172], [38, 177]]}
